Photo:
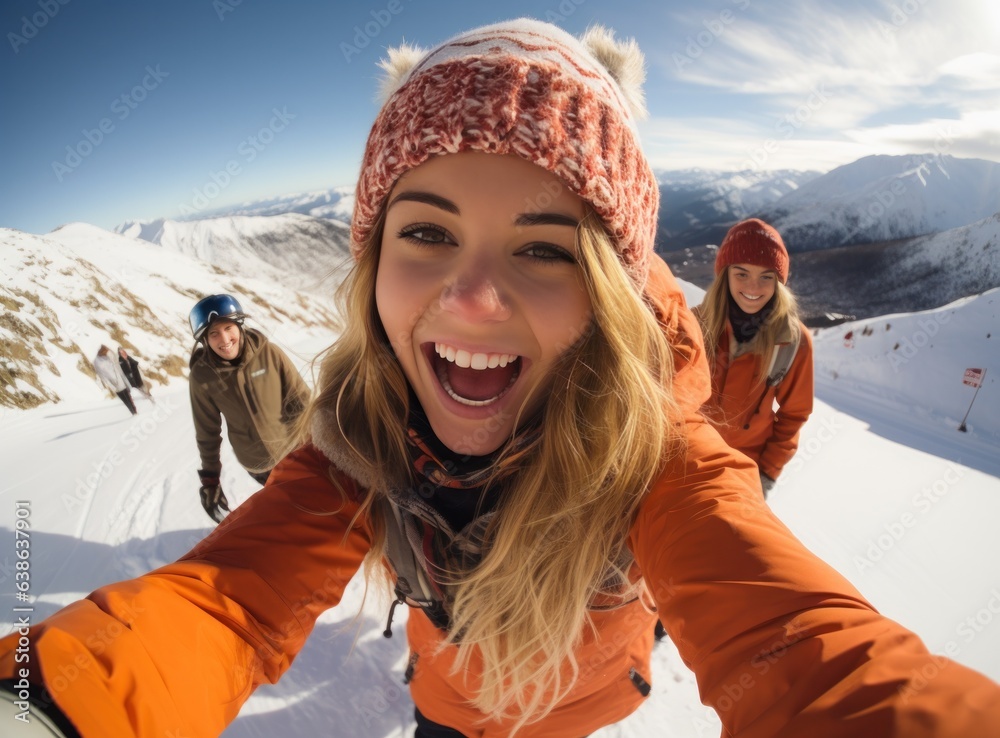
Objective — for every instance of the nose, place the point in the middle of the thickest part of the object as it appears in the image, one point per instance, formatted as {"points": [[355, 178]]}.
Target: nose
{"points": [[476, 295]]}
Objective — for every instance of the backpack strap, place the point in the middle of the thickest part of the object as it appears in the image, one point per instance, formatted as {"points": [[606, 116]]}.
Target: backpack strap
{"points": [[782, 358], [411, 578], [412, 584]]}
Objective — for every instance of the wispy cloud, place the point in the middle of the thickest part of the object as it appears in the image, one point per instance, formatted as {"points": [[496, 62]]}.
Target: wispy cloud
{"points": [[818, 82]]}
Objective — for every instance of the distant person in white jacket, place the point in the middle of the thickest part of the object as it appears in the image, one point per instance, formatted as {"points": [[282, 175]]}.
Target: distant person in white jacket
{"points": [[111, 375]]}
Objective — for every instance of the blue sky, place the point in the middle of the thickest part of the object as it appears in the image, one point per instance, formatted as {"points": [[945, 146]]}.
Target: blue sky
{"points": [[140, 109]]}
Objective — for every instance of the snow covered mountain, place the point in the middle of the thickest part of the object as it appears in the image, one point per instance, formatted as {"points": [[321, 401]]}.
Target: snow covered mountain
{"points": [[298, 250], [66, 293], [900, 276], [335, 203], [886, 198], [697, 206]]}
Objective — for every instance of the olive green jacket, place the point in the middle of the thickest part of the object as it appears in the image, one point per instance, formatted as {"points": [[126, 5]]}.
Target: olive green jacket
{"points": [[260, 395]]}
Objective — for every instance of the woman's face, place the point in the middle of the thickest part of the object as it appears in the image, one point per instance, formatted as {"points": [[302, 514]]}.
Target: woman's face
{"points": [[751, 286], [479, 290]]}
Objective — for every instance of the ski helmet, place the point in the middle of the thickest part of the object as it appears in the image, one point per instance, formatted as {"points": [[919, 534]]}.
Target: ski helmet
{"points": [[212, 308]]}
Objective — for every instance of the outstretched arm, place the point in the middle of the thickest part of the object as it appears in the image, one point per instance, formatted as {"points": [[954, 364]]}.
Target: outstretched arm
{"points": [[781, 644], [179, 650]]}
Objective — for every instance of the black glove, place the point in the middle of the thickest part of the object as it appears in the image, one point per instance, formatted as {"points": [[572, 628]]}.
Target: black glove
{"points": [[766, 483], [212, 497]]}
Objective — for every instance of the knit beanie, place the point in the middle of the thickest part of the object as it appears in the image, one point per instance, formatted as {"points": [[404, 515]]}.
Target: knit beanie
{"points": [[526, 88], [753, 242]]}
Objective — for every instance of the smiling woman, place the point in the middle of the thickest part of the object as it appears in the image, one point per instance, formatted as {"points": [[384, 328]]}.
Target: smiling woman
{"points": [[759, 350], [466, 279], [506, 435]]}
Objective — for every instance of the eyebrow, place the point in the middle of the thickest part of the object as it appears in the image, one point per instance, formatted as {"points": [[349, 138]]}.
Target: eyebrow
{"points": [[426, 198], [534, 219], [522, 220]]}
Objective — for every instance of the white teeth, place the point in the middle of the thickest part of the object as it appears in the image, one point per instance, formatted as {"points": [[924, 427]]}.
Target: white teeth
{"points": [[465, 400], [468, 360]]}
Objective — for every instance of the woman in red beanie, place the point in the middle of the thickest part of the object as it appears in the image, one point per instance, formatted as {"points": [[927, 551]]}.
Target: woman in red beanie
{"points": [[759, 351]]}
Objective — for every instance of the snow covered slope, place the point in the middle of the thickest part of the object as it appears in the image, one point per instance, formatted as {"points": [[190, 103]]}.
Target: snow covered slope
{"points": [[298, 250], [900, 276], [913, 529], [66, 293], [912, 366]]}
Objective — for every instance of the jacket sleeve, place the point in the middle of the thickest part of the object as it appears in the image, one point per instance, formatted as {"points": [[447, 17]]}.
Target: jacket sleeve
{"points": [[179, 650], [134, 366], [294, 391], [207, 427], [795, 405], [101, 372], [782, 645]]}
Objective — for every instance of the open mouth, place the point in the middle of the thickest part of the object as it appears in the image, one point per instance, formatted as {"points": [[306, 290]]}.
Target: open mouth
{"points": [[474, 379], [750, 298]]}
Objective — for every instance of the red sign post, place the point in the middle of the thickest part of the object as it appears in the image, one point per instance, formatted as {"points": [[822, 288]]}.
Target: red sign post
{"points": [[973, 378]]}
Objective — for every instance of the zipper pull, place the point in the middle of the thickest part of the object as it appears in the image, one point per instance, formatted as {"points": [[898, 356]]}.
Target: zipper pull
{"points": [[410, 666], [641, 684], [388, 625]]}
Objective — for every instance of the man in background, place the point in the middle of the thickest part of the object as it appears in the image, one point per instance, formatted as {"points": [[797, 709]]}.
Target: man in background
{"points": [[236, 373]]}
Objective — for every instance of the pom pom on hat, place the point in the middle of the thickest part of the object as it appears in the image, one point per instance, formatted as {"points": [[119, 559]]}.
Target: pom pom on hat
{"points": [[526, 88], [753, 242]]}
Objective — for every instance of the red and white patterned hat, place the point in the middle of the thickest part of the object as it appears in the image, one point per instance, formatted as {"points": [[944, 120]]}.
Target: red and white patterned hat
{"points": [[527, 88]]}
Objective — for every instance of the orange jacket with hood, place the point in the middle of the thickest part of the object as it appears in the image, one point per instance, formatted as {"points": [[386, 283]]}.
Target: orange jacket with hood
{"points": [[760, 420], [780, 643]]}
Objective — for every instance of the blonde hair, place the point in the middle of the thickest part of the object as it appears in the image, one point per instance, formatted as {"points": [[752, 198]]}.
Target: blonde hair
{"points": [[570, 495], [713, 314]]}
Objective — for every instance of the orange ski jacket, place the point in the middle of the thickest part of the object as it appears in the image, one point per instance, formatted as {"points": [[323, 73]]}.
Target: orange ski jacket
{"points": [[761, 421], [780, 643]]}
